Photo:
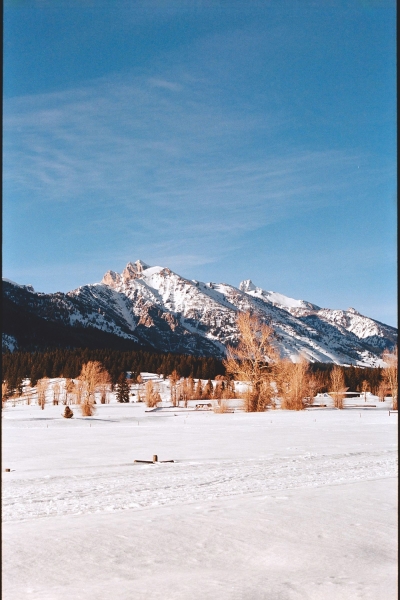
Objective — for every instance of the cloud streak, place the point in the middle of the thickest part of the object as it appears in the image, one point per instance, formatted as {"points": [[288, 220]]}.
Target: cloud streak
{"points": [[154, 141], [161, 157]]}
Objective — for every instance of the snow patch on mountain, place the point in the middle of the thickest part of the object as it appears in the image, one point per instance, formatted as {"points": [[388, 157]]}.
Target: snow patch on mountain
{"points": [[275, 298]]}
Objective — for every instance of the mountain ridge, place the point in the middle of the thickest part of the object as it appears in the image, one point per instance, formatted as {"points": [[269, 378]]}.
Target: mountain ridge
{"points": [[157, 308]]}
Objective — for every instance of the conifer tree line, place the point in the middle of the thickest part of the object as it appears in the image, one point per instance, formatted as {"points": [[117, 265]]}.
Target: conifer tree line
{"points": [[68, 363], [17, 366]]}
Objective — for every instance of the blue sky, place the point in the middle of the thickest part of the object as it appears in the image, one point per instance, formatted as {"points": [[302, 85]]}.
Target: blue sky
{"points": [[225, 140]]}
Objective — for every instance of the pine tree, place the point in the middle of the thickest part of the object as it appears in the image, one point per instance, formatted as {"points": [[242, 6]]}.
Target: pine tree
{"points": [[34, 376], [122, 389], [19, 386], [68, 413]]}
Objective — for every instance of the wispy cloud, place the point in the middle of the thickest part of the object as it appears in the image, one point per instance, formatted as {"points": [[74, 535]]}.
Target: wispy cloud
{"points": [[163, 159], [163, 83]]}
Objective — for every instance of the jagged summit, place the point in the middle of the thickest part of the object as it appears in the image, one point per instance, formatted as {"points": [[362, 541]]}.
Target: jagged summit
{"points": [[247, 286], [134, 270], [158, 308], [131, 271]]}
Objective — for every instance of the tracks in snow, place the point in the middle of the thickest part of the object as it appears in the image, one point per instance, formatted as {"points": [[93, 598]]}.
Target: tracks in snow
{"points": [[148, 486]]}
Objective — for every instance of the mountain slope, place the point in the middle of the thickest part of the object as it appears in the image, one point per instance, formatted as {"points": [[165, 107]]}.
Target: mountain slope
{"points": [[155, 307]]}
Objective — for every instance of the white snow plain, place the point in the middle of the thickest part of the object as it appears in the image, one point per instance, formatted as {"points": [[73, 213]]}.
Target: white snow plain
{"points": [[270, 506]]}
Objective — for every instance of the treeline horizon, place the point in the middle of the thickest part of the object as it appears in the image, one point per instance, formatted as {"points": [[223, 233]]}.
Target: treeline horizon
{"points": [[68, 363]]}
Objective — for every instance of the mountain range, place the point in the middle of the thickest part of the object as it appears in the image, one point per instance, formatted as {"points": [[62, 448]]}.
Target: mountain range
{"points": [[157, 309]]}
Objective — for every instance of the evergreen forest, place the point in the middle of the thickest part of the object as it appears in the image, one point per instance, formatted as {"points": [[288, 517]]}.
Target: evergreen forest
{"points": [[68, 363]]}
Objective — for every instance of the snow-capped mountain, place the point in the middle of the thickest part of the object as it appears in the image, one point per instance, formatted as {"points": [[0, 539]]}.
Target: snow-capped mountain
{"points": [[374, 332], [159, 309]]}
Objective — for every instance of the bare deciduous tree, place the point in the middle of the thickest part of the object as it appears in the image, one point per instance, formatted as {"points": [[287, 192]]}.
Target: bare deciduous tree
{"points": [[338, 386], [184, 392], [87, 408], [382, 391], [93, 376], [56, 393], [41, 389], [5, 392], [207, 393], [69, 391], [190, 384], [28, 393], [390, 374], [365, 388], [103, 385], [221, 407], [152, 396], [314, 384], [79, 391], [174, 378], [249, 360], [229, 390], [218, 390], [293, 385], [88, 380]]}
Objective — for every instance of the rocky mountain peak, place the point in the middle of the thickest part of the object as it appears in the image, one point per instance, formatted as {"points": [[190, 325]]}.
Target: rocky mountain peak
{"points": [[247, 286], [111, 278], [131, 271], [134, 270]]}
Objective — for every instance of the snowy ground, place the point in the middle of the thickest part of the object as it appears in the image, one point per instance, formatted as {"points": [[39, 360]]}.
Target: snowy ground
{"points": [[274, 506]]}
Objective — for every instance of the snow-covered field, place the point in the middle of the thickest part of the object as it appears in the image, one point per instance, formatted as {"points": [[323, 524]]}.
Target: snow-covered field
{"points": [[277, 505]]}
